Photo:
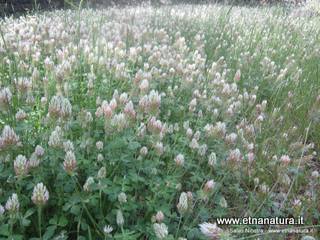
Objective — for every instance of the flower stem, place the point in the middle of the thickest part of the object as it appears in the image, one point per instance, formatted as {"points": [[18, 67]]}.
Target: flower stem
{"points": [[39, 222]]}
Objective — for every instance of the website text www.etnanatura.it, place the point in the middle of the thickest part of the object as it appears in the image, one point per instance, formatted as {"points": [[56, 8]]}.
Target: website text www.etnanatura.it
{"points": [[260, 221]]}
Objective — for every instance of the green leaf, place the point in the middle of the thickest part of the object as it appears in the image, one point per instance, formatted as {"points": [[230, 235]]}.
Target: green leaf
{"points": [[49, 232], [25, 222], [75, 210], [4, 230], [134, 145], [29, 213], [63, 221]]}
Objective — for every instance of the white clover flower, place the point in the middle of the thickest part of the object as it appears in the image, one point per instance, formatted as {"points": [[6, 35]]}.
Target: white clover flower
{"points": [[102, 173], [159, 216], [119, 218], [179, 159], [119, 121], [60, 106], [68, 146], [55, 139], [39, 151], [99, 145], [129, 110], [8, 136], [2, 210], [202, 150], [107, 229], [315, 174], [144, 151], [5, 97], [34, 161], [40, 194], [212, 231], [161, 230], [122, 197], [235, 155], [212, 159], [183, 203], [100, 157], [209, 186], [21, 165], [285, 159], [70, 162], [223, 202], [12, 204], [21, 115], [159, 148], [87, 184]]}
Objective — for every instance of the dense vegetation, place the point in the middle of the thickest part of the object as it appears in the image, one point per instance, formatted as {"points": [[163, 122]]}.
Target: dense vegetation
{"points": [[143, 122]]}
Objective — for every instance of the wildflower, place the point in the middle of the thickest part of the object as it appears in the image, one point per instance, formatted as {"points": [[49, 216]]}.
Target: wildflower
{"points": [[189, 132], [237, 76], [99, 145], [235, 155], [250, 157], [231, 138], [209, 186], [212, 231], [223, 202], [100, 157], [192, 105], [5, 97], [202, 149], [161, 230], [159, 216], [8, 136], [60, 107], [23, 84], [107, 229], [70, 162], [212, 160], [123, 98], [183, 203], [113, 104], [21, 115], [264, 188], [105, 109], [55, 138], [194, 144], [122, 197], [39, 151], [315, 174], [220, 129], [179, 159], [256, 181], [102, 173], [68, 146], [40, 194], [159, 148], [87, 184], [144, 85], [285, 159], [119, 121], [12, 204], [21, 165], [129, 110], [119, 218], [144, 151], [2, 210], [34, 160]]}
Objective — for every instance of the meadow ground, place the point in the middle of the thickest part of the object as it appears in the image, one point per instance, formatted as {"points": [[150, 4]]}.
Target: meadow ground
{"points": [[152, 123]]}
